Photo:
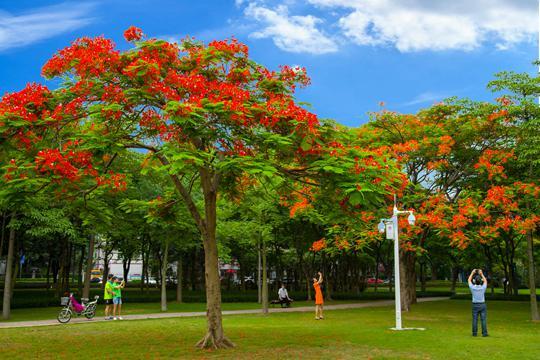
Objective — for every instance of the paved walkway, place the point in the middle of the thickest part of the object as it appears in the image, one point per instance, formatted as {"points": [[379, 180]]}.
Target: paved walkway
{"points": [[18, 324]]}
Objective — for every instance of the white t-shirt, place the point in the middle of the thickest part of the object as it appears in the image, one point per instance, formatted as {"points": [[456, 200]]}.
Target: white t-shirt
{"points": [[282, 293]]}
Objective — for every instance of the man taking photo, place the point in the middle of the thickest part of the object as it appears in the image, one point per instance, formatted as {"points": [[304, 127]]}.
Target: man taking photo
{"points": [[478, 285]]}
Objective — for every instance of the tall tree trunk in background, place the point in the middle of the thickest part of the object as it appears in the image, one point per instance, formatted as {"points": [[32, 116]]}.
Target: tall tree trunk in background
{"points": [[193, 270], [61, 266], [433, 268], [242, 277], [48, 274], [105, 268], [259, 273], [179, 279], [89, 266], [164, 265], [423, 276], [408, 279], [6, 307], [143, 265], [455, 272], [2, 234], [327, 279], [80, 270], [377, 260], [67, 268], [55, 266], [126, 265], [264, 294], [532, 277], [16, 261]]}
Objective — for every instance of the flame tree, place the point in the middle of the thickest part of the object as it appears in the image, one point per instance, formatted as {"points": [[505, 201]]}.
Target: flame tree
{"points": [[207, 113]]}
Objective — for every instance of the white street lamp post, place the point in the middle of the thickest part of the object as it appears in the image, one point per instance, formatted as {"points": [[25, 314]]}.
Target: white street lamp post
{"points": [[392, 232]]}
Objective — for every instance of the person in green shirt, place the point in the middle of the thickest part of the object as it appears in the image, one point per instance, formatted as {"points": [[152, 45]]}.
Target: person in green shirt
{"points": [[108, 296], [118, 285]]}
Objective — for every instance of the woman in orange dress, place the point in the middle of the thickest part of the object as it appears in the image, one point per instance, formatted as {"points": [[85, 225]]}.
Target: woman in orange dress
{"points": [[319, 301]]}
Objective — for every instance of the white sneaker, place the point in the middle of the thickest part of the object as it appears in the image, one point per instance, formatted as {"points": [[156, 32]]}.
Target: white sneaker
{"points": [[120, 318], [115, 318]]}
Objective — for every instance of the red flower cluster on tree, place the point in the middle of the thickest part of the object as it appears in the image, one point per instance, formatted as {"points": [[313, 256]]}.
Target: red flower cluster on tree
{"points": [[85, 57], [64, 165], [133, 33], [26, 104], [318, 245], [492, 162]]}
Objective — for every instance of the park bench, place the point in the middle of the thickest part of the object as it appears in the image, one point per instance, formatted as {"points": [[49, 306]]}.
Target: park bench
{"points": [[282, 303]]}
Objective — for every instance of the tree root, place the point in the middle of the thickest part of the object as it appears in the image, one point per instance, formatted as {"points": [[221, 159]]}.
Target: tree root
{"points": [[210, 342]]}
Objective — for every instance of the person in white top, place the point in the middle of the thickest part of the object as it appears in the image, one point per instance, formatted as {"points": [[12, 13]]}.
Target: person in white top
{"points": [[283, 296]]}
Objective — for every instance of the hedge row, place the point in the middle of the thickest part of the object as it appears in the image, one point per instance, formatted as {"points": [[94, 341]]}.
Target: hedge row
{"points": [[501, 297], [27, 298]]}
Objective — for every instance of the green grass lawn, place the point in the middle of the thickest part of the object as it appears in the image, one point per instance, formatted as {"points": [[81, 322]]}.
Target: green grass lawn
{"points": [[344, 334], [46, 313]]}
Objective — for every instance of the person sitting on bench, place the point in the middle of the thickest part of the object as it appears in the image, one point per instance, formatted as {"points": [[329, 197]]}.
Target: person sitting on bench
{"points": [[283, 296]]}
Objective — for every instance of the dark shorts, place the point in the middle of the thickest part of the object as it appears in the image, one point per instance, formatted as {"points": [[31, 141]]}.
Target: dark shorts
{"points": [[108, 301]]}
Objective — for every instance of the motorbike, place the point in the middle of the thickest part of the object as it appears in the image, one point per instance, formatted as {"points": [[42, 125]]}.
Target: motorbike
{"points": [[71, 307]]}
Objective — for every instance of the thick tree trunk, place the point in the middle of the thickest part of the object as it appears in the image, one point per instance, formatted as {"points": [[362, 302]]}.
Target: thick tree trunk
{"points": [[164, 265], [264, 294], [179, 278], [214, 337], [6, 309], [89, 265], [532, 277], [408, 280]]}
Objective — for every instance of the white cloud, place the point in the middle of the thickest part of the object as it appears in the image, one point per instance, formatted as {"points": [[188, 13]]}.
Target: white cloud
{"points": [[42, 23], [415, 25], [298, 34], [426, 97]]}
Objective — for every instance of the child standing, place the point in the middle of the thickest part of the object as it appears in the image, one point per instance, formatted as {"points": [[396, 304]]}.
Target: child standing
{"points": [[117, 297]]}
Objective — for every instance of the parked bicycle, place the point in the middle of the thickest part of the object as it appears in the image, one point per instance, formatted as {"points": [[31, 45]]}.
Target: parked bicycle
{"points": [[72, 307]]}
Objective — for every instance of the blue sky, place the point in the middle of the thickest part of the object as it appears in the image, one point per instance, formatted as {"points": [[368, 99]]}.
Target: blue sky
{"points": [[405, 53]]}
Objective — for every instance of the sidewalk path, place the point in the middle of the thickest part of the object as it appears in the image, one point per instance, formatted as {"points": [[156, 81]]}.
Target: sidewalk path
{"points": [[19, 324]]}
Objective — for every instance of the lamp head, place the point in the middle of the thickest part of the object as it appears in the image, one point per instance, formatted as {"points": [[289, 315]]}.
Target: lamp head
{"points": [[381, 227], [411, 219]]}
